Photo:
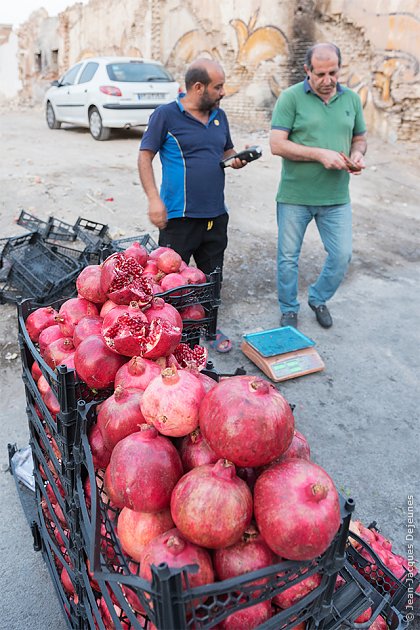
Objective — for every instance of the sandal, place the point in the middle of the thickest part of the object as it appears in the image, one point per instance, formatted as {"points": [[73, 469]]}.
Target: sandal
{"points": [[221, 343]]}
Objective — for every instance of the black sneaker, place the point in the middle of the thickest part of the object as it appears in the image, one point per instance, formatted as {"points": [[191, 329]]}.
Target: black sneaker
{"points": [[323, 316], [289, 319]]}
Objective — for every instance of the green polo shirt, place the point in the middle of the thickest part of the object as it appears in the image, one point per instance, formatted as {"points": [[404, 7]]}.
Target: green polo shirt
{"points": [[313, 123]]}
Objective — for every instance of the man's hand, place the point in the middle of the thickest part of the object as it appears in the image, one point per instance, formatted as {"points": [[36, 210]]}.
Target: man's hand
{"points": [[237, 163], [157, 213], [332, 160], [359, 160]]}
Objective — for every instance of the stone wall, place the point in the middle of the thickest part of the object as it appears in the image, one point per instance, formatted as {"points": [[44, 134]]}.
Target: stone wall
{"points": [[261, 44]]}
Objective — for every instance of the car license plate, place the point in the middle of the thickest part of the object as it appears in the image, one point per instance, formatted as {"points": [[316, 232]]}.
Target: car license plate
{"points": [[150, 96]]}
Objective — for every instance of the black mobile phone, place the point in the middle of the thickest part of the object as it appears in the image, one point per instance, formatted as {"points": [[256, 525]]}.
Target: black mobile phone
{"points": [[249, 155]]}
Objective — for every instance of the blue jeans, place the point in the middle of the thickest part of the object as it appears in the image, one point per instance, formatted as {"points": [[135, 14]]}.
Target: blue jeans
{"points": [[334, 225]]}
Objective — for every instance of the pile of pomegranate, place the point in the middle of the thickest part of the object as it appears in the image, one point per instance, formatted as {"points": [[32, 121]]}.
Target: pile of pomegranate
{"points": [[198, 472]]}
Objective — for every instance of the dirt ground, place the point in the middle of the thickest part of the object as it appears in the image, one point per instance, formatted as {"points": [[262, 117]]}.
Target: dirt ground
{"points": [[360, 414]]}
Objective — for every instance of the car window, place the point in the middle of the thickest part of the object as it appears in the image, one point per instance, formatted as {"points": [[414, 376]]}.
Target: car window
{"points": [[70, 76], [88, 72], [137, 71]]}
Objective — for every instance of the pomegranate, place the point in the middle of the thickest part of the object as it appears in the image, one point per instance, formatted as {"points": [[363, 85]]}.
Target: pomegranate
{"points": [[191, 357], [106, 307], [38, 320], [151, 270], [161, 339], [47, 336], [365, 616], [154, 255], [143, 471], [71, 312], [132, 309], [211, 506], [138, 252], [246, 420], [36, 371], [171, 402], [95, 363], [137, 373], [169, 261], [66, 581], [51, 402], [122, 280], [249, 554], [379, 624], [127, 335], [100, 454], [91, 325], [297, 509], [176, 550], [192, 275], [120, 415], [294, 593], [195, 451], [159, 308], [195, 311], [88, 284], [136, 529], [57, 351], [172, 281], [248, 618], [114, 498]]}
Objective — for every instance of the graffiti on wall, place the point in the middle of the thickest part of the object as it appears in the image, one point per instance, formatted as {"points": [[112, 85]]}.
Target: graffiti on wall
{"points": [[254, 45]]}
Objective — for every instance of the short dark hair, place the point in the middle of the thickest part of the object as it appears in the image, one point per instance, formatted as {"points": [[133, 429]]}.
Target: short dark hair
{"points": [[196, 74], [312, 49]]}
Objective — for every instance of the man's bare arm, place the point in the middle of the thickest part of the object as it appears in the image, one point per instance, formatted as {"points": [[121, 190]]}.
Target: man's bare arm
{"points": [[358, 149], [157, 210], [281, 145]]}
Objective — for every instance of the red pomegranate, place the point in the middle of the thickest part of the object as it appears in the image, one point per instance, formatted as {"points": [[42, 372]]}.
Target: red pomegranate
{"points": [[195, 451], [100, 454], [171, 402], [66, 581], [120, 415], [143, 471], [155, 253], [188, 357], [91, 325], [106, 307], [248, 618], [249, 554], [176, 550], [365, 616], [192, 275], [138, 252], [47, 336], [169, 261], [297, 509], [246, 420], [151, 270], [211, 506], [57, 351], [161, 340], [172, 281], [379, 624], [137, 373], [122, 280], [88, 284], [95, 363], [195, 311], [51, 402], [137, 529], [127, 335], [72, 311], [294, 593], [38, 320], [36, 371], [110, 319], [159, 308], [299, 447]]}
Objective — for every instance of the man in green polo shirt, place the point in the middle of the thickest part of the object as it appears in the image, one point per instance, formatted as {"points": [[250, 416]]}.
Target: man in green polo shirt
{"points": [[319, 131]]}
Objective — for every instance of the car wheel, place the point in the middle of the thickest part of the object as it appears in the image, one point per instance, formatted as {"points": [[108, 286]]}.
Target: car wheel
{"points": [[98, 131], [52, 122]]}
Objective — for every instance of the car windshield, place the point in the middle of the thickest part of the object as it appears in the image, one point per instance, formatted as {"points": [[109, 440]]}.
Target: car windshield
{"points": [[137, 72]]}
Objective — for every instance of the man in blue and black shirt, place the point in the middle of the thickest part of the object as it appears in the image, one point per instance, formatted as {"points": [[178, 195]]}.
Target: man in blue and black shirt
{"points": [[192, 136]]}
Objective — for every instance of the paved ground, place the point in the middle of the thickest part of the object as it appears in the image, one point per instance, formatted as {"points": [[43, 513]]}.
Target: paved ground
{"points": [[360, 415]]}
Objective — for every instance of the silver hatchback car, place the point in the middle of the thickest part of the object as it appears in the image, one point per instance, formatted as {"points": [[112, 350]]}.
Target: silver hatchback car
{"points": [[102, 93]]}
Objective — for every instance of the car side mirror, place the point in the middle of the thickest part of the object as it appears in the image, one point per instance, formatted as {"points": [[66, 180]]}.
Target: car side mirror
{"points": [[55, 83]]}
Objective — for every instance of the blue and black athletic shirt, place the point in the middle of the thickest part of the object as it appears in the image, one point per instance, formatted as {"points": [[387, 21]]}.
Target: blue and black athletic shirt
{"points": [[190, 152]]}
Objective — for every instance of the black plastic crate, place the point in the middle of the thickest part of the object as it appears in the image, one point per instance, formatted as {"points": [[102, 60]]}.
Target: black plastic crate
{"points": [[209, 604], [92, 233], [51, 228], [401, 592], [35, 270]]}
